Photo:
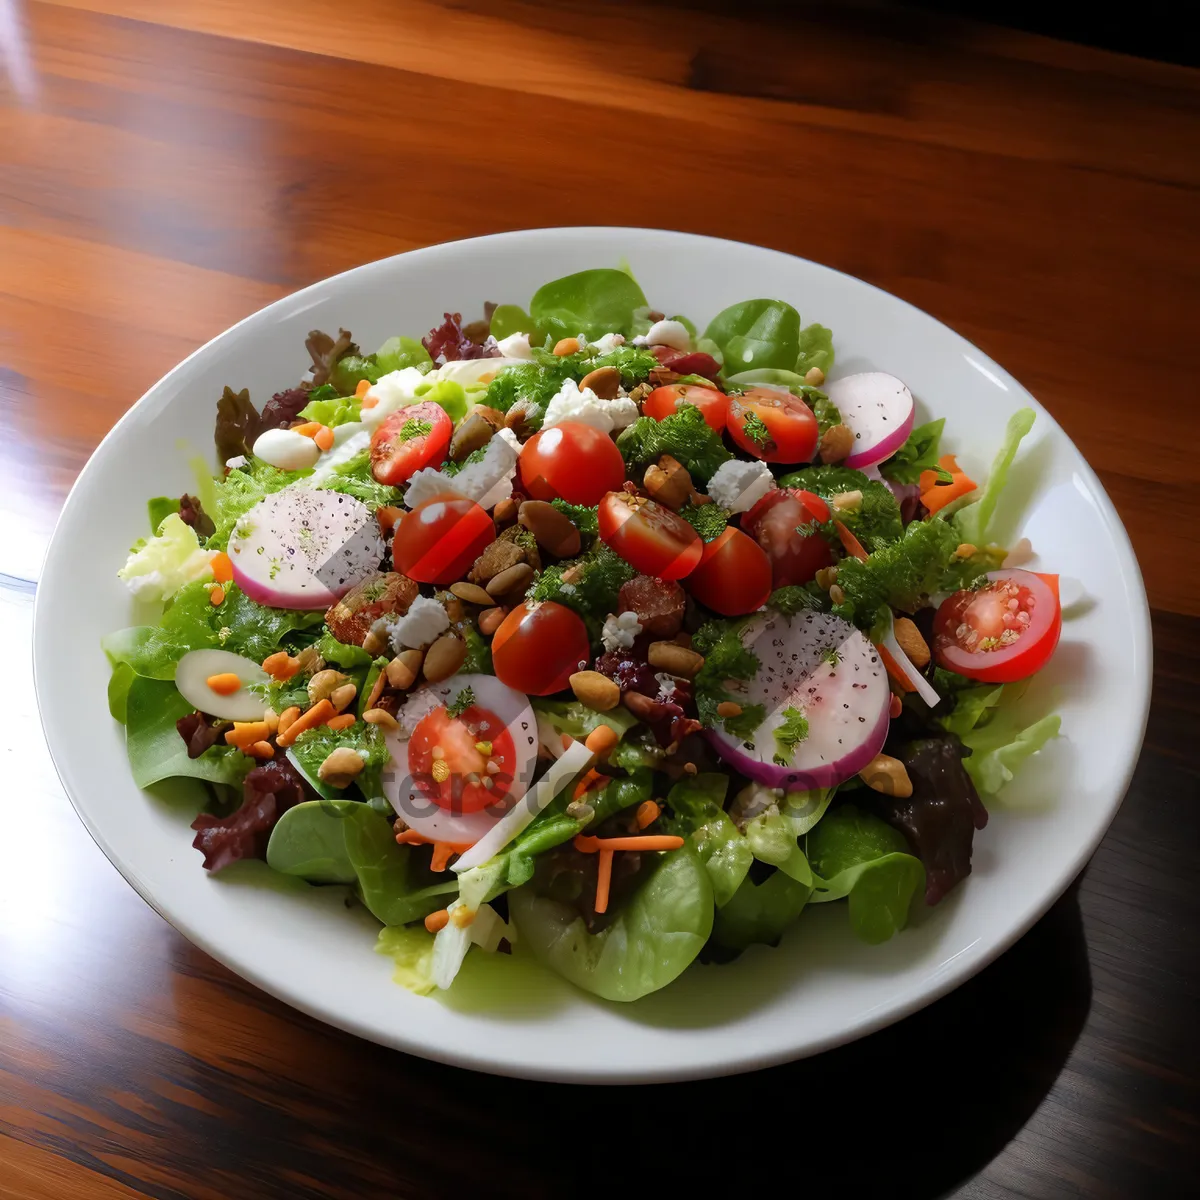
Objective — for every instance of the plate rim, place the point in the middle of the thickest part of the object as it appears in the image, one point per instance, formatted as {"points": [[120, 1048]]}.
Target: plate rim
{"points": [[964, 966]]}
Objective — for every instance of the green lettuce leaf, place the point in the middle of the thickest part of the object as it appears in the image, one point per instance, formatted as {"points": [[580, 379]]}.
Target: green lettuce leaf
{"points": [[166, 562], [239, 492], [972, 522], [589, 302], [757, 333], [758, 913], [919, 453], [698, 805], [577, 720], [336, 410], [508, 319], [410, 947], [309, 841], [816, 349], [997, 749], [972, 706], [399, 352], [351, 369], [355, 478]]}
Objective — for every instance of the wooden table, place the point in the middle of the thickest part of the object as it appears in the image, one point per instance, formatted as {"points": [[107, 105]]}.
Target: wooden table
{"points": [[168, 166]]}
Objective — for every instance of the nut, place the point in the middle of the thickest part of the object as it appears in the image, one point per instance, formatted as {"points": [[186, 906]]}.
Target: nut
{"points": [[375, 644], [552, 530], [402, 671], [505, 513], [826, 577], [566, 346], [493, 415], [475, 431], [472, 593], [272, 719], [604, 381], [887, 775], [340, 767], [847, 502], [836, 595], [580, 811], [641, 706], [308, 661], [323, 684], [595, 690], [814, 377], [836, 443], [727, 708], [966, 550], [572, 574], [342, 697], [491, 619], [911, 642], [444, 657], [675, 659], [518, 418], [640, 392], [388, 517], [453, 606], [515, 578], [668, 482], [382, 718]]}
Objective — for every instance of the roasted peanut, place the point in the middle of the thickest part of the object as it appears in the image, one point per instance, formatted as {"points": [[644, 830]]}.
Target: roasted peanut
{"points": [[551, 529], [491, 619], [342, 697], [836, 443], [727, 708], [668, 482], [604, 381], [444, 657], [340, 767], [675, 659], [847, 502], [518, 418], [595, 690], [505, 513], [472, 593], [515, 578], [402, 671], [382, 718], [887, 775], [475, 431], [814, 377], [566, 346], [911, 642], [323, 684]]}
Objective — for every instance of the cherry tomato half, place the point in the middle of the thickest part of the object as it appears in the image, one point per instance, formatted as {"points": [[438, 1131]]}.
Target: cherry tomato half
{"points": [[439, 540], [409, 439], [664, 401], [572, 461], [475, 746], [539, 646], [773, 425], [649, 536], [1003, 632], [774, 523], [734, 575]]}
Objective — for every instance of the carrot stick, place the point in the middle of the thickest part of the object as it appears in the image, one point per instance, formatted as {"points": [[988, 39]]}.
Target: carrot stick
{"points": [[222, 567], [647, 813], [246, 733], [893, 669], [343, 721], [308, 429], [224, 684], [601, 741], [592, 779], [935, 496], [603, 880], [320, 712], [364, 386], [850, 543], [442, 854], [642, 841]]}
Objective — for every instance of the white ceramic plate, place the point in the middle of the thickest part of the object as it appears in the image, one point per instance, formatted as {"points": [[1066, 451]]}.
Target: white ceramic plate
{"points": [[821, 987]]}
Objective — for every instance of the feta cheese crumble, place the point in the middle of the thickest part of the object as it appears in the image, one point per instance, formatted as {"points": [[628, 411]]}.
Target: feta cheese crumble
{"points": [[572, 403], [738, 486], [516, 345], [669, 333], [619, 631], [425, 622], [487, 482], [608, 343]]}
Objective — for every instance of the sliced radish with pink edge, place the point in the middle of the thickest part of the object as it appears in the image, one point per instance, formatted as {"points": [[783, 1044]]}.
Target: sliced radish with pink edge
{"points": [[304, 548], [878, 409], [423, 813], [823, 666]]}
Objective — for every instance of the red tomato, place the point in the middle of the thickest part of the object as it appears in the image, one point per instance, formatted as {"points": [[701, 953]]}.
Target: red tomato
{"points": [[439, 540], [649, 536], [1003, 632], [773, 523], [468, 744], [539, 646], [734, 575], [572, 461], [782, 427], [398, 447], [663, 401]]}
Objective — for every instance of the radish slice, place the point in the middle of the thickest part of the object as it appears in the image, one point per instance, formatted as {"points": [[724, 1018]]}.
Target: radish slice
{"points": [[418, 810], [878, 409], [194, 670], [823, 666], [304, 548]]}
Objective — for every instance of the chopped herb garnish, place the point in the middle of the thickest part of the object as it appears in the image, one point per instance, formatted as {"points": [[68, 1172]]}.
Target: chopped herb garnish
{"points": [[789, 735], [460, 703], [708, 520], [756, 430], [415, 427]]}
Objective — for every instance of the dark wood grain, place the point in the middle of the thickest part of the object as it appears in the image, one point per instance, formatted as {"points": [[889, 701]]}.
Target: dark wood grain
{"points": [[168, 166]]}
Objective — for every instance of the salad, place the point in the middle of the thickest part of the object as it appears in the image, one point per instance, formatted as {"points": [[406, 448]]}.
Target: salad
{"points": [[580, 633]]}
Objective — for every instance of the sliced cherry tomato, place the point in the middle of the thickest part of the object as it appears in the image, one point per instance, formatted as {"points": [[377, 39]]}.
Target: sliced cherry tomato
{"points": [[439, 540], [664, 401], [475, 746], [734, 575], [773, 425], [1003, 632], [409, 439], [539, 646], [572, 461], [774, 523], [649, 536]]}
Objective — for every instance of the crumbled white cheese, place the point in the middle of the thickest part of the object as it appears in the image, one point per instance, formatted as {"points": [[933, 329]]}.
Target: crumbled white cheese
{"points": [[238, 460], [471, 372], [286, 449], [669, 333], [425, 622], [572, 403], [608, 343], [486, 482], [516, 345], [348, 440], [738, 485], [666, 686], [619, 631], [396, 389]]}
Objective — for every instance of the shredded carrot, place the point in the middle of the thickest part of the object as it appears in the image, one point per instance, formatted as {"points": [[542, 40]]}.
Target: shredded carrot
{"points": [[217, 596], [308, 429], [324, 437], [388, 517], [364, 386], [935, 496], [317, 715], [376, 691], [893, 669], [603, 879], [592, 780], [342, 721], [850, 543], [642, 841], [437, 921], [442, 854], [222, 567], [410, 837], [1051, 581], [224, 684], [287, 718], [246, 733], [261, 750], [280, 665], [369, 402], [601, 741], [895, 707], [647, 813]]}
